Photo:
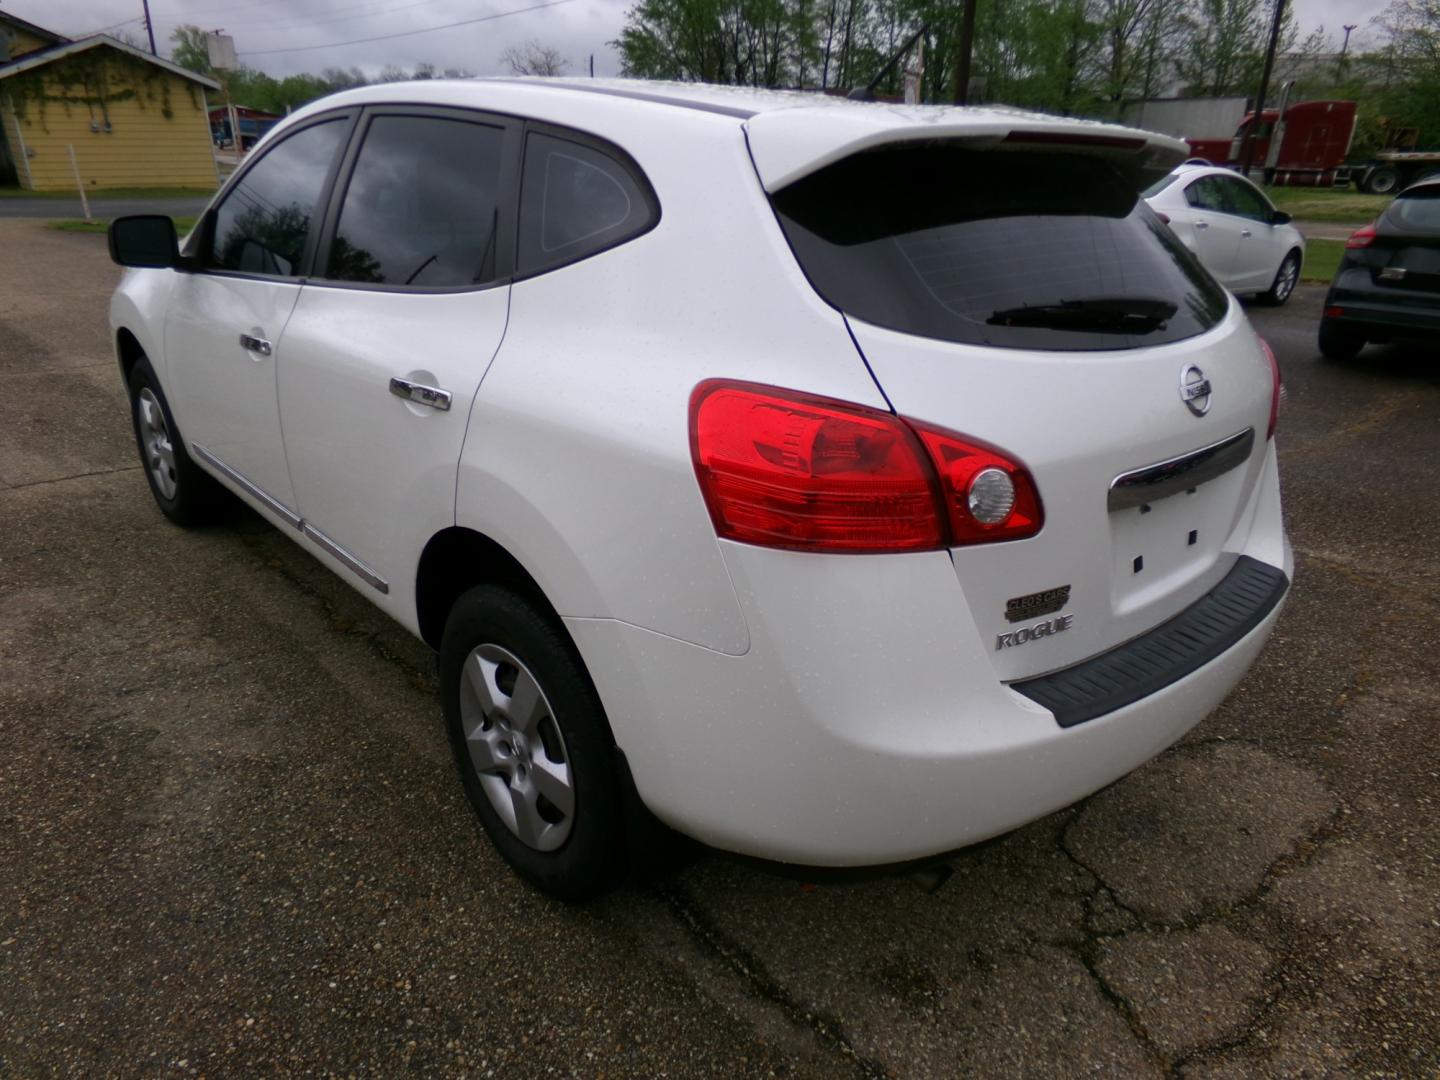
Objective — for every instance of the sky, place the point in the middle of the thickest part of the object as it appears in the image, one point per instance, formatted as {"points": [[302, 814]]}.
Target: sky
{"points": [[578, 28]]}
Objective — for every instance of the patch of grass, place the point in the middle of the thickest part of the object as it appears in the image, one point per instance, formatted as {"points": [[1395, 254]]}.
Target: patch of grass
{"points": [[182, 225], [1322, 259], [111, 193], [1328, 204]]}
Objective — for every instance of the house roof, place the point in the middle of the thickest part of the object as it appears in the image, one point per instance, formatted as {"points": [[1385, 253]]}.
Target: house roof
{"points": [[41, 57], [31, 28]]}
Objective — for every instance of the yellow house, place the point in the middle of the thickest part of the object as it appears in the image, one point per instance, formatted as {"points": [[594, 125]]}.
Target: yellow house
{"points": [[132, 119]]}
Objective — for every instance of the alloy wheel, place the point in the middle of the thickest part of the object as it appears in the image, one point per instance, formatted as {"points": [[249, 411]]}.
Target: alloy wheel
{"points": [[516, 747], [155, 438], [1289, 275]]}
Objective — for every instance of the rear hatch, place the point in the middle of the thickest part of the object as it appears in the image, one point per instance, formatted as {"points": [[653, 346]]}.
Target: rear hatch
{"points": [[1019, 292], [1404, 258]]}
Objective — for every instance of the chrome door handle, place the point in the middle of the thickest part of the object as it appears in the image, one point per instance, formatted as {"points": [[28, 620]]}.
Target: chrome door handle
{"points": [[420, 394], [1202, 224], [255, 344], [1244, 232]]}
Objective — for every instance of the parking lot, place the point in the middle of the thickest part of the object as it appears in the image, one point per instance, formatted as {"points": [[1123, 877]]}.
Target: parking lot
{"points": [[232, 841]]}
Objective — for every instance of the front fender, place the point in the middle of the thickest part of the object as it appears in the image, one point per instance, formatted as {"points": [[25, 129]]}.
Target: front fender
{"points": [[138, 306]]}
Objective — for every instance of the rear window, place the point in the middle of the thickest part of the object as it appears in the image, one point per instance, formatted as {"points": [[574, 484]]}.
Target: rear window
{"points": [[1017, 250], [1418, 209]]}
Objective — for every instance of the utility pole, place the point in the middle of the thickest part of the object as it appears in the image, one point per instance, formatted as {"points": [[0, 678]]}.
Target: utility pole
{"points": [[149, 26], [1247, 150], [1344, 47], [964, 48]]}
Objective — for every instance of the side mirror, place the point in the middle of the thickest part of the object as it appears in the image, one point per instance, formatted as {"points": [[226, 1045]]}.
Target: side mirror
{"points": [[144, 240], [1279, 217]]}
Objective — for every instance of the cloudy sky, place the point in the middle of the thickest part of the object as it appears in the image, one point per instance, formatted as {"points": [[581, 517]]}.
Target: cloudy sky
{"points": [[277, 35]]}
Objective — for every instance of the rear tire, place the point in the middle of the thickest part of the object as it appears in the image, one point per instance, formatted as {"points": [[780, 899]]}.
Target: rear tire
{"points": [[532, 744], [1383, 180], [184, 492], [1339, 342], [1286, 278]]}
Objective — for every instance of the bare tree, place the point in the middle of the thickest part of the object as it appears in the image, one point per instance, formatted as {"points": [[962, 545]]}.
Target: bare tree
{"points": [[532, 58]]}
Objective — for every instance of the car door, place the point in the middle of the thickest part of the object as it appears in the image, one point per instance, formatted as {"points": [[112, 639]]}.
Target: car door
{"points": [[392, 334], [1259, 250], [225, 319], [1217, 233]]}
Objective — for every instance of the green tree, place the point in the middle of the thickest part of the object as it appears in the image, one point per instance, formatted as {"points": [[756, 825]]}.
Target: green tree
{"points": [[1410, 60], [190, 48]]}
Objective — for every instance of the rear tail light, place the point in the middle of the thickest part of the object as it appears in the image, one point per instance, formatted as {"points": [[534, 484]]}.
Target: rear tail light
{"points": [[783, 469], [1276, 388], [1361, 238], [976, 481], [1164, 217], [1333, 312]]}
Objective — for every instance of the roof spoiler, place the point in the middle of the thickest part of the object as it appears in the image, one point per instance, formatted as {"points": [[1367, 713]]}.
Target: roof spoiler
{"points": [[788, 144]]}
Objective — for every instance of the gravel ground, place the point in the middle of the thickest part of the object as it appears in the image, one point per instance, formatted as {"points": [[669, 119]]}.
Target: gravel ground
{"points": [[232, 842]]}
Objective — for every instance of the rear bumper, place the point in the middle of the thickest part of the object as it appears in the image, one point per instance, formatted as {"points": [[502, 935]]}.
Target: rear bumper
{"points": [[866, 724], [1382, 311], [1204, 631], [875, 764]]}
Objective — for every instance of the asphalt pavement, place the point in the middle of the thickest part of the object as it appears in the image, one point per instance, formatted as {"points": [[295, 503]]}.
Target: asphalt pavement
{"points": [[232, 841]]}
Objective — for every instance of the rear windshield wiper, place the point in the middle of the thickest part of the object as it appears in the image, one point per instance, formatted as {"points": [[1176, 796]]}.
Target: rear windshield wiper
{"points": [[1112, 314]]}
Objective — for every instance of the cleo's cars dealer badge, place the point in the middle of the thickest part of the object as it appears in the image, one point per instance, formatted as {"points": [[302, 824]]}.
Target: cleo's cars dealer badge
{"points": [[1026, 608]]}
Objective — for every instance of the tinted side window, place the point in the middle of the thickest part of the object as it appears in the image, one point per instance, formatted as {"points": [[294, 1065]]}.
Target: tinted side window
{"points": [[262, 224], [422, 205], [575, 201], [1242, 199], [1204, 194]]}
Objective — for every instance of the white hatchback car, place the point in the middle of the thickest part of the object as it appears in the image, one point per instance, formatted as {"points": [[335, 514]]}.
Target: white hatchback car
{"points": [[820, 478], [1250, 246]]}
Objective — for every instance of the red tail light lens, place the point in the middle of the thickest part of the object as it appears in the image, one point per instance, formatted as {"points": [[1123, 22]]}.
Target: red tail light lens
{"points": [[788, 470], [1361, 238], [967, 474], [1164, 217], [783, 469], [1275, 386]]}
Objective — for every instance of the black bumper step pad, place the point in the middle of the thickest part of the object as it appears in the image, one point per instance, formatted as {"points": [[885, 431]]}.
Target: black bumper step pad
{"points": [[1166, 654]]}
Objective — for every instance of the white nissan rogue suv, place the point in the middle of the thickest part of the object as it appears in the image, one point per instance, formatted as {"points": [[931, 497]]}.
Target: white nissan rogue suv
{"points": [[839, 483]]}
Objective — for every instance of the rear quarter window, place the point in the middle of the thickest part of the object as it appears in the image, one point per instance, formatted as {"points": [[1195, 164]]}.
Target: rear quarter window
{"points": [[578, 198], [1016, 250]]}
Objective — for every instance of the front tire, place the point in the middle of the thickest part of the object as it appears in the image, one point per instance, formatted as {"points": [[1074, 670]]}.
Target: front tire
{"points": [[532, 744], [185, 493], [1339, 343], [1286, 278]]}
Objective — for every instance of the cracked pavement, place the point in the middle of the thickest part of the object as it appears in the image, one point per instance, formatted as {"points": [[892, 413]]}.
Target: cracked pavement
{"points": [[232, 843]]}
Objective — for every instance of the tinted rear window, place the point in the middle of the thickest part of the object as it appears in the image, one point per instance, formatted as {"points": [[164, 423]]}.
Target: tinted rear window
{"points": [[1417, 210], [1019, 250]]}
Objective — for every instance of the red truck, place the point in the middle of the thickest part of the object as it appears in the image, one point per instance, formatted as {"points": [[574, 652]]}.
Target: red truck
{"points": [[1307, 148]]}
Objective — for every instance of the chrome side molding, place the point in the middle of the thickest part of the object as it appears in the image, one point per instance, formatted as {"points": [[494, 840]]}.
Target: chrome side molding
{"points": [[360, 570], [291, 518], [274, 505], [1151, 483]]}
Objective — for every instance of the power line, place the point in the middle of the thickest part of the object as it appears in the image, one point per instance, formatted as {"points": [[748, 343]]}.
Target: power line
{"points": [[225, 9], [366, 12], [112, 26], [407, 33]]}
